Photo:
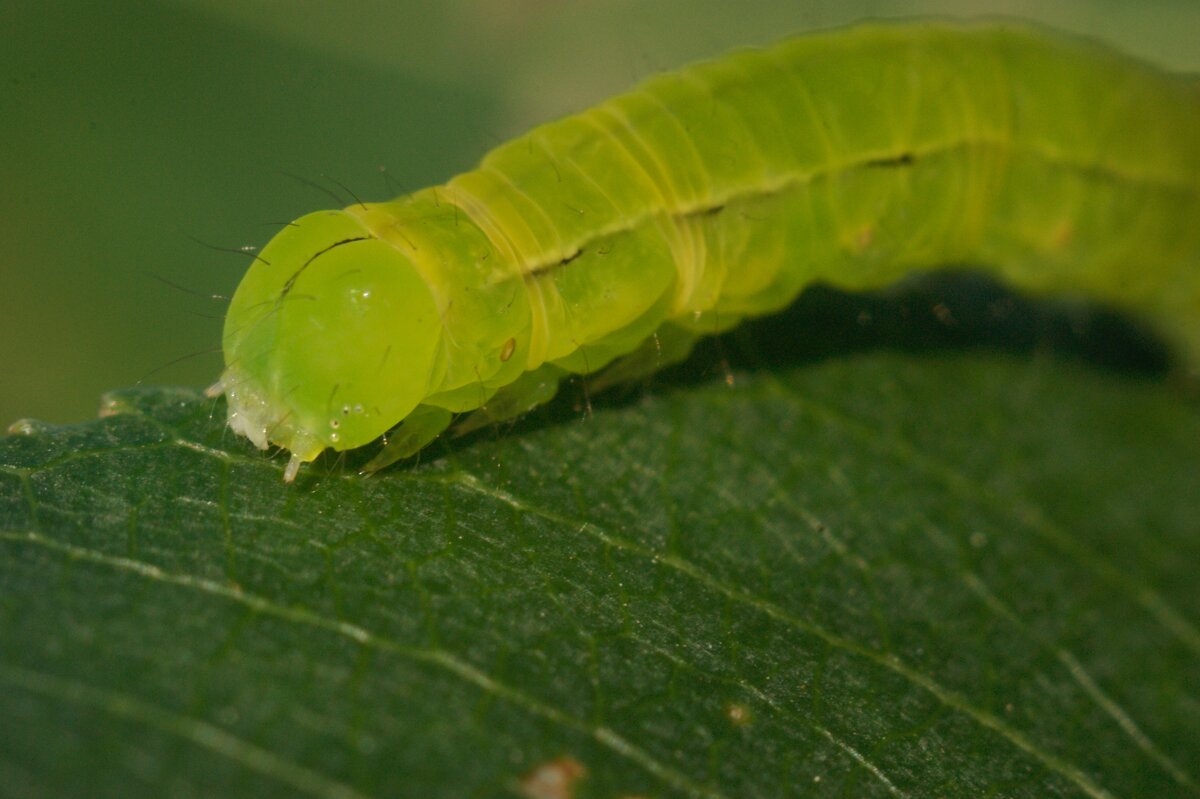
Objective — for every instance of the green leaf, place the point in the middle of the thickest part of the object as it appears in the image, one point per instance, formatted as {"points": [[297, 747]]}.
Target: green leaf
{"points": [[888, 561]]}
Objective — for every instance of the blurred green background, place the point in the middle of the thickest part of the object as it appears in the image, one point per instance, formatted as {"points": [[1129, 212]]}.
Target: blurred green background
{"points": [[128, 129]]}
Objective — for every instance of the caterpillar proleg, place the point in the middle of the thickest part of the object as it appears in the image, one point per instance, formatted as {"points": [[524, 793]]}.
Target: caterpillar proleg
{"points": [[610, 240]]}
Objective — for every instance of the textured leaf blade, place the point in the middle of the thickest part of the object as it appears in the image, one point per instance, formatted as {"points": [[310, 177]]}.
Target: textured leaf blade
{"points": [[882, 574]]}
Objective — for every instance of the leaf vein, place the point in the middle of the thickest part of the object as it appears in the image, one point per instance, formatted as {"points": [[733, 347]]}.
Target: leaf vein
{"points": [[945, 695], [437, 657], [195, 731]]}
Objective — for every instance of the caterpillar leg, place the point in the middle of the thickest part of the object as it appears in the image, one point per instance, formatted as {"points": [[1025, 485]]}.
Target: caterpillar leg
{"points": [[519, 397], [669, 345], [418, 428]]}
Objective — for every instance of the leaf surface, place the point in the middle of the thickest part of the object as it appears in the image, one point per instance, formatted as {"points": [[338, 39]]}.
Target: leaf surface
{"points": [[922, 569]]}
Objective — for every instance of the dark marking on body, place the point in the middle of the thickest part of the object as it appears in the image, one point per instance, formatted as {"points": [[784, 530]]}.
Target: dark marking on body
{"points": [[903, 159], [387, 353], [699, 213], [542, 269], [291, 281]]}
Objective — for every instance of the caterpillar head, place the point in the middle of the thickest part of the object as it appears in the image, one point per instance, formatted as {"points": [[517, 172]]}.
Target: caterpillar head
{"points": [[330, 339]]}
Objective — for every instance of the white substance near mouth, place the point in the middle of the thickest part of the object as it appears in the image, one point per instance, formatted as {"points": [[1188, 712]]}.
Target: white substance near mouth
{"points": [[249, 413], [253, 415]]}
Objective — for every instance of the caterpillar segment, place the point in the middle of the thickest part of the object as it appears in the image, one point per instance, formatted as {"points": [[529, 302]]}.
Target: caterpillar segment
{"points": [[608, 241]]}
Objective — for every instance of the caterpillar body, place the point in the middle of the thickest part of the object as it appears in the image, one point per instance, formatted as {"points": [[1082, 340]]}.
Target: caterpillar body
{"points": [[610, 240]]}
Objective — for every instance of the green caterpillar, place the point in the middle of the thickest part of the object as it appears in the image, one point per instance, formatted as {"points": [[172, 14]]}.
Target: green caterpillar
{"points": [[612, 239]]}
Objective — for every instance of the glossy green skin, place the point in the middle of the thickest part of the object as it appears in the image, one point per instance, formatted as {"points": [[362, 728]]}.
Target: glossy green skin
{"points": [[718, 192]]}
